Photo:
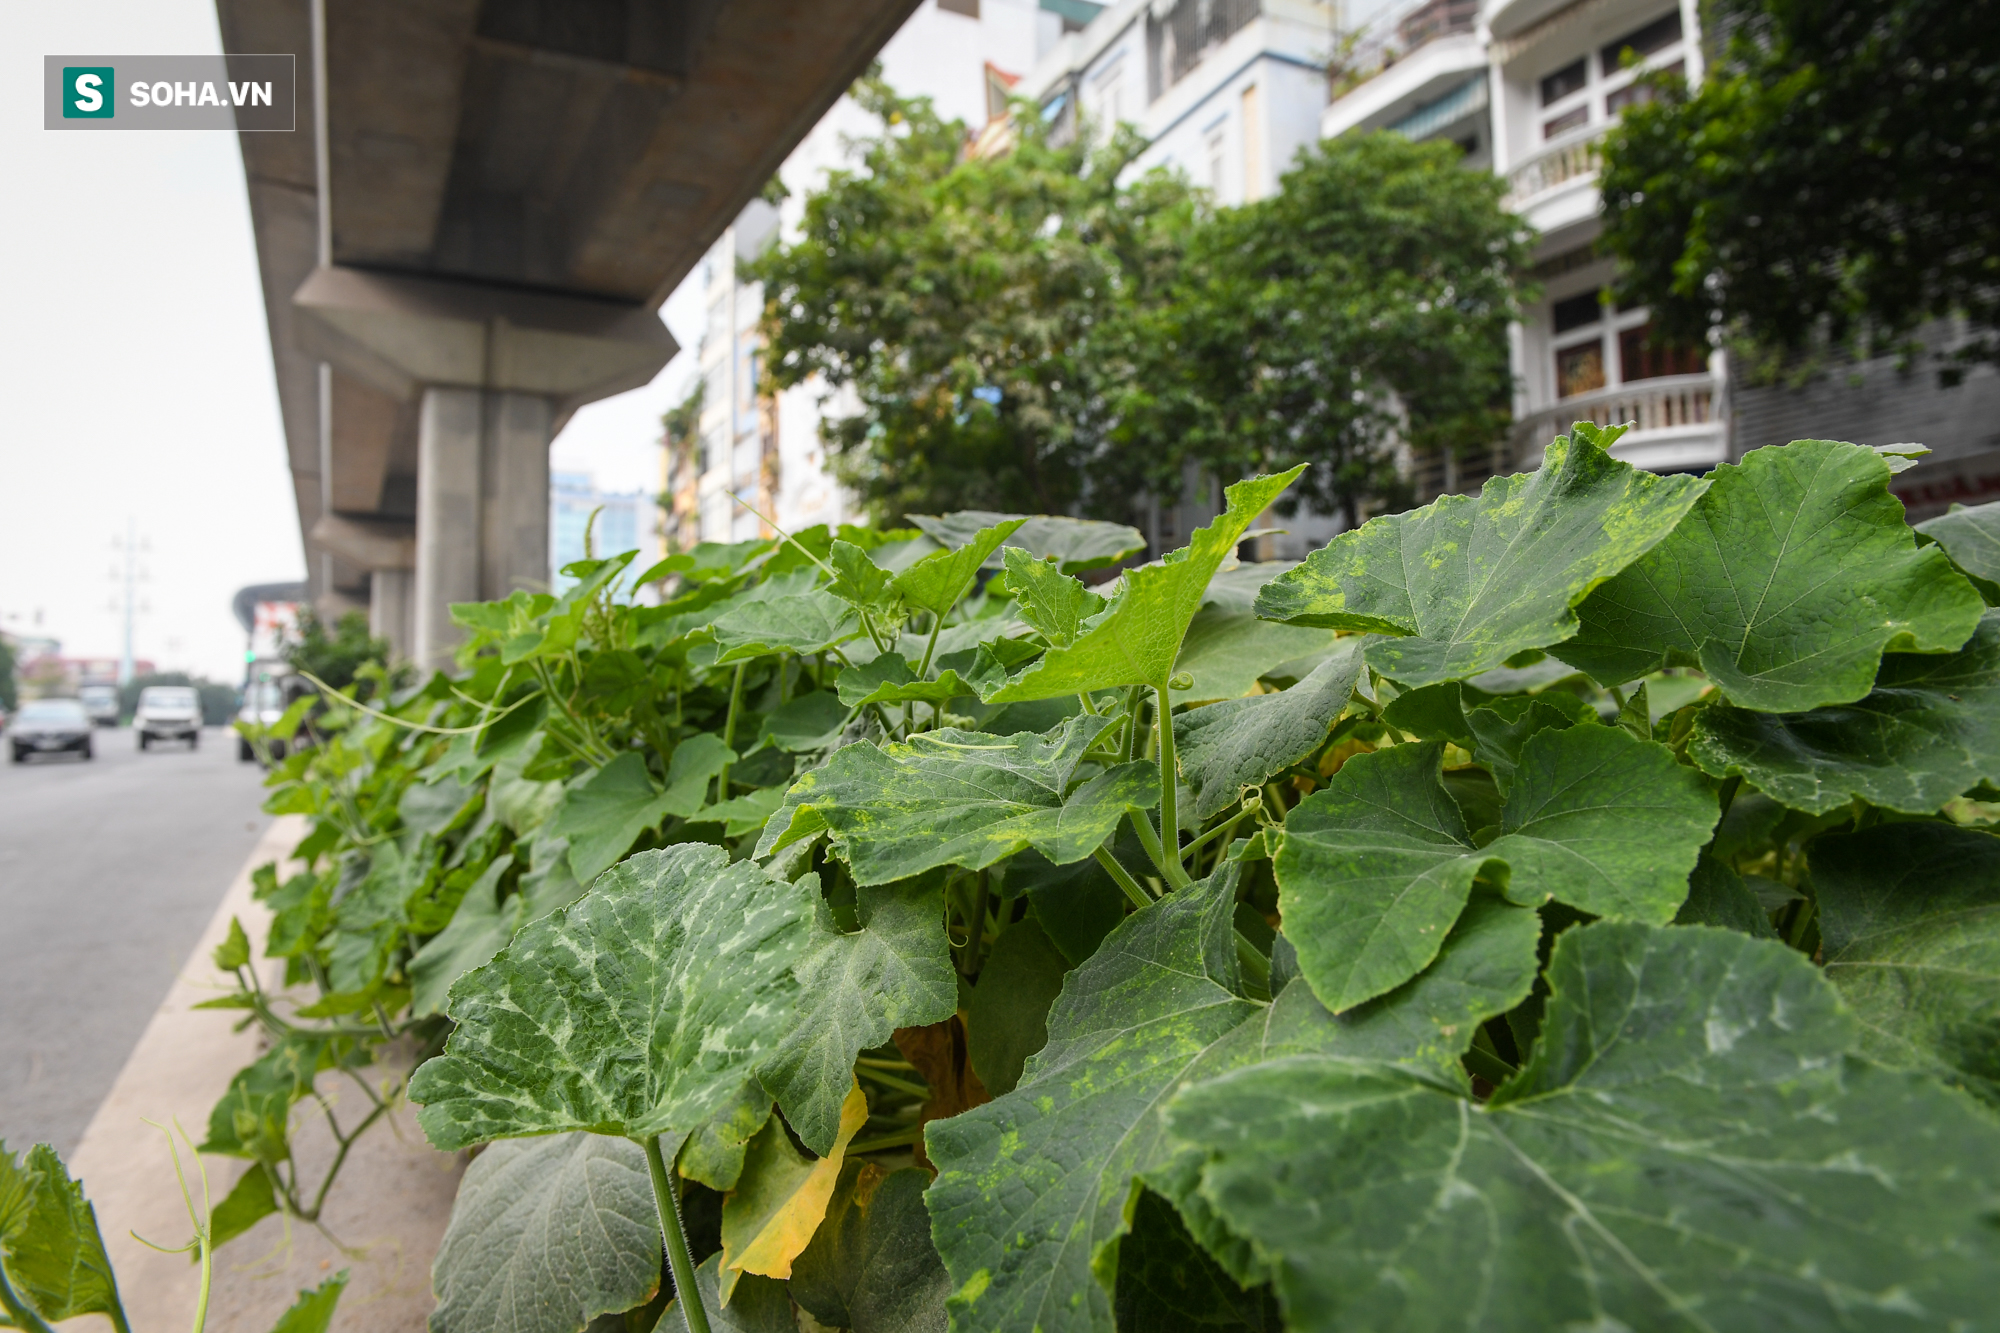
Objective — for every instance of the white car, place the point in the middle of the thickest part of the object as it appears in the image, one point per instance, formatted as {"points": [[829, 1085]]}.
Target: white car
{"points": [[168, 712]]}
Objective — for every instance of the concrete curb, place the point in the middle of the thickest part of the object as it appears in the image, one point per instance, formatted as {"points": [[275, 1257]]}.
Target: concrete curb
{"points": [[388, 1209]]}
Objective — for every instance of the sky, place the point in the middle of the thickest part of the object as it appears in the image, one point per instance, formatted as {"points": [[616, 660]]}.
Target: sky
{"points": [[135, 365]]}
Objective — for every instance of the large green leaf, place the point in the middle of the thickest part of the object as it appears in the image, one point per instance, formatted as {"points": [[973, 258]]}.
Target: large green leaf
{"points": [[1226, 651], [1075, 544], [888, 679], [1375, 868], [936, 582], [49, 1242], [1909, 916], [479, 929], [640, 1010], [1033, 1185], [964, 798], [1971, 537], [1928, 731], [253, 1118], [1786, 584], [603, 815], [1136, 639], [871, 1266], [810, 721], [545, 1235], [855, 989], [313, 1311], [1468, 581], [1226, 747], [785, 613], [1689, 1148]]}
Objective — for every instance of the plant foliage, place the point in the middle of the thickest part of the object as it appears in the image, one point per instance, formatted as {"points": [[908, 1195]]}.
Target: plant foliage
{"points": [[909, 944]]}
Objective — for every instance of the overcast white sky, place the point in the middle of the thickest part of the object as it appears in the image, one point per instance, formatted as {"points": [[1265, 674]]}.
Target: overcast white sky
{"points": [[135, 364]]}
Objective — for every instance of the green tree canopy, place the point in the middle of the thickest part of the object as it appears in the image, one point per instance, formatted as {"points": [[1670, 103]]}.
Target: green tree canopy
{"points": [[1835, 181], [1364, 303], [336, 655], [959, 297]]}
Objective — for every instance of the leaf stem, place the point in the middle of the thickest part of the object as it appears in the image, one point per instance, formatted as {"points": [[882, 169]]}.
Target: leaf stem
{"points": [[1485, 1064], [1170, 775], [889, 1080], [1142, 824], [1123, 878], [902, 1138], [669, 1206], [729, 729], [1221, 830]]}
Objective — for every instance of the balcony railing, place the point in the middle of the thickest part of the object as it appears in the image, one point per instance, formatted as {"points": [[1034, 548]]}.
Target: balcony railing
{"points": [[1672, 402], [1562, 161], [1394, 36]]}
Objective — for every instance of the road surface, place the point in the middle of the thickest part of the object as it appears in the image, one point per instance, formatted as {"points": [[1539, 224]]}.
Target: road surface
{"points": [[108, 872]]}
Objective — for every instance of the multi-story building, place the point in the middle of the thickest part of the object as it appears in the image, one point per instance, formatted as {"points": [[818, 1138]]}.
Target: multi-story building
{"points": [[624, 522], [766, 448], [1528, 89]]}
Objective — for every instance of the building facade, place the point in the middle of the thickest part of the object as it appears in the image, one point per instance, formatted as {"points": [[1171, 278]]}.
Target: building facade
{"points": [[754, 455]]}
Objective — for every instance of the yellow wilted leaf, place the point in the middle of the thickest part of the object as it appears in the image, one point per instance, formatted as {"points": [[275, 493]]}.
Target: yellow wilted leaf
{"points": [[781, 1198]]}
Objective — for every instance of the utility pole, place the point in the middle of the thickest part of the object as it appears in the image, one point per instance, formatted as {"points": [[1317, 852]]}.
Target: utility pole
{"points": [[129, 577]]}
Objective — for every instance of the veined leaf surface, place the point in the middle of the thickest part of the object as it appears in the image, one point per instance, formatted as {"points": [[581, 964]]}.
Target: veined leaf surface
{"points": [[545, 1235], [638, 1011], [1689, 1148], [871, 1266], [1136, 639], [1375, 868], [1929, 730], [49, 1241], [936, 582], [1910, 920], [855, 990], [1076, 544], [1787, 582], [1971, 537], [1241, 743], [1468, 581], [954, 797]]}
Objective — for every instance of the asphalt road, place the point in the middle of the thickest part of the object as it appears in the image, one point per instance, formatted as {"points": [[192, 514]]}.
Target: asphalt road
{"points": [[108, 872]]}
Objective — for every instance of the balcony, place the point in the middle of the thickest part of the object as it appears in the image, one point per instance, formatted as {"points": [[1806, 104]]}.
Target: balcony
{"points": [[1676, 423], [1396, 36]]}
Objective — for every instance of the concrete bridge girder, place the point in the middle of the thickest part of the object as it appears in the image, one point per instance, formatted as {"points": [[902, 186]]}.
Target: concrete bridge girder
{"points": [[471, 236]]}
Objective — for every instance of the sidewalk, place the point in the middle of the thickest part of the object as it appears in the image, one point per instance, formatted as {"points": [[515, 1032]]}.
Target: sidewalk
{"points": [[388, 1209]]}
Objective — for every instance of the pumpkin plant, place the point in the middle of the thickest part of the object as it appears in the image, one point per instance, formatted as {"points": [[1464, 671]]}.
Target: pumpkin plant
{"points": [[1572, 904]]}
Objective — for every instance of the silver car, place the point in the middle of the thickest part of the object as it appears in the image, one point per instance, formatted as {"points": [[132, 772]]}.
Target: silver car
{"points": [[50, 726], [168, 712]]}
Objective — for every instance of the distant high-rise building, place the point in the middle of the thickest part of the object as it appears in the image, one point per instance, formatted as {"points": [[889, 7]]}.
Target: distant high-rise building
{"points": [[624, 523]]}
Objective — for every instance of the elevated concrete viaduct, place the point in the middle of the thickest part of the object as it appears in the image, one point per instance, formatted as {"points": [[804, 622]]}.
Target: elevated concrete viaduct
{"points": [[469, 237]]}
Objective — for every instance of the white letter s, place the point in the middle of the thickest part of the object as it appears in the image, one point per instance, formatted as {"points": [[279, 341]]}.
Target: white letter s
{"points": [[88, 98]]}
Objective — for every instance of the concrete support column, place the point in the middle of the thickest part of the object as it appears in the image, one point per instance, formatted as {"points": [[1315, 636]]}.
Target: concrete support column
{"points": [[482, 507], [389, 596]]}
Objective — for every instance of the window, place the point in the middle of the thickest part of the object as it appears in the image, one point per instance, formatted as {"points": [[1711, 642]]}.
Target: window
{"points": [[1638, 91], [1579, 369], [1566, 122], [1655, 36], [1577, 311], [1569, 79], [1640, 358], [1215, 161]]}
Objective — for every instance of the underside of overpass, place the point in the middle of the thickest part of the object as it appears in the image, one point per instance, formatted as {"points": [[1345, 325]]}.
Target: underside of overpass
{"points": [[470, 235]]}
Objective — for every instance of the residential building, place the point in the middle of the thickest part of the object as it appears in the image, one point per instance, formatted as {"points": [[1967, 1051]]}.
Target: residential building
{"points": [[757, 452], [623, 521]]}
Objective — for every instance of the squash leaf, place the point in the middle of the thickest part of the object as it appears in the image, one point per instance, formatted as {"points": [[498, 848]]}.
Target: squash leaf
{"points": [[1469, 581]]}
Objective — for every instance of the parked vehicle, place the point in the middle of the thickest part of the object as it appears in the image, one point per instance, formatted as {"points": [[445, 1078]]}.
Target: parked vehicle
{"points": [[50, 726], [101, 703], [168, 712]]}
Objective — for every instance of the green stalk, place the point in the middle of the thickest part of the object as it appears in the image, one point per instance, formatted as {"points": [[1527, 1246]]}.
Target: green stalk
{"points": [[1132, 698], [1170, 776], [900, 1139], [729, 730], [669, 1206], [1123, 878], [1221, 830], [937, 624]]}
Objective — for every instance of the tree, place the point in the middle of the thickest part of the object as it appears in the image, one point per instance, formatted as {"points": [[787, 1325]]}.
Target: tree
{"points": [[1833, 184], [959, 298], [334, 657], [1363, 304], [9, 692]]}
